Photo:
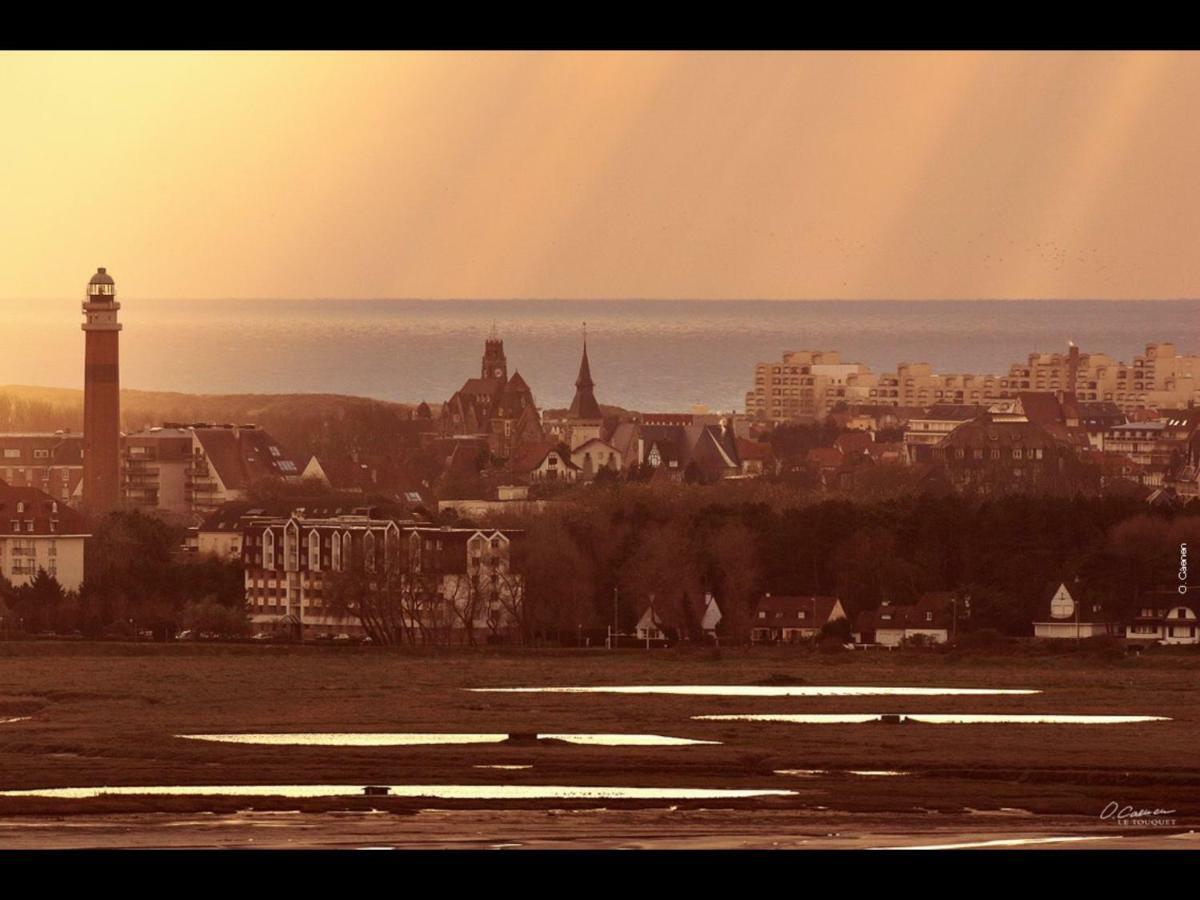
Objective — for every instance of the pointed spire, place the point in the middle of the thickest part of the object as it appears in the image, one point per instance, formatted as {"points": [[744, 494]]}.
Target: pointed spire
{"points": [[585, 371], [584, 406]]}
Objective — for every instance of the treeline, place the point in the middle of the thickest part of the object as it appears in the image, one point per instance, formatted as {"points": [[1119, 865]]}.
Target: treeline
{"points": [[305, 424], [677, 543]]}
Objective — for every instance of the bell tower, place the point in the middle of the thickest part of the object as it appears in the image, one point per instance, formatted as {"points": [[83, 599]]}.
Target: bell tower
{"points": [[495, 365], [101, 396]]}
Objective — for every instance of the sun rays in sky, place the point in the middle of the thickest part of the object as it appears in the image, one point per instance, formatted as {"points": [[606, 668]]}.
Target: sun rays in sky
{"points": [[589, 175]]}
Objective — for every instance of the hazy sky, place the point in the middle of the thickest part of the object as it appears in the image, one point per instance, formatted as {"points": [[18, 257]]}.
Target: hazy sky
{"points": [[698, 175]]}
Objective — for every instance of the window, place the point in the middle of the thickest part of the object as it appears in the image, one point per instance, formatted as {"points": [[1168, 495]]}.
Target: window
{"points": [[314, 550], [41, 454], [369, 551], [12, 453], [268, 549], [20, 506]]}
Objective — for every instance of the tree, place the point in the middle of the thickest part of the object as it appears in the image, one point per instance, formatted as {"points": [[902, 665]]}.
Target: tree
{"points": [[734, 553], [664, 573]]}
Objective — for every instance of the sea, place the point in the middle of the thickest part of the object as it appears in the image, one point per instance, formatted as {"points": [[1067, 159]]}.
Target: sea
{"points": [[648, 355]]}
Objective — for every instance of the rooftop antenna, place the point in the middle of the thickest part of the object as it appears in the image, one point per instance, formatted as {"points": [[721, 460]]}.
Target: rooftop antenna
{"points": [[493, 329]]}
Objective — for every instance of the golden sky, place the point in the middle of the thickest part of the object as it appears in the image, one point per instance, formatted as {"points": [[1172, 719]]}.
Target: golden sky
{"points": [[655, 175]]}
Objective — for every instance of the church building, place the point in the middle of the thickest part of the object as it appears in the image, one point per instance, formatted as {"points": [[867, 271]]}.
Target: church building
{"points": [[493, 406]]}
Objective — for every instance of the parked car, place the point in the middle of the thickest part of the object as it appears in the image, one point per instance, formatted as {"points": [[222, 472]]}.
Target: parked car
{"points": [[341, 638], [262, 636], [186, 635], [367, 639]]}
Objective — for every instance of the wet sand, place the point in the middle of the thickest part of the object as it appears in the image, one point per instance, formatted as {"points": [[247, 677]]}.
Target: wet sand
{"points": [[651, 829], [111, 715]]}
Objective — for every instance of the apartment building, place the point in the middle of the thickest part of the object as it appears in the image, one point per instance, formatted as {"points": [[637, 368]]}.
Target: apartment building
{"points": [[39, 532], [227, 460], [51, 462], [448, 583], [155, 465], [806, 384]]}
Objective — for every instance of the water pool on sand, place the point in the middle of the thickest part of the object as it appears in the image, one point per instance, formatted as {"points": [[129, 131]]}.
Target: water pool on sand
{"points": [[435, 791], [934, 718], [401, 739], [727, 690]]}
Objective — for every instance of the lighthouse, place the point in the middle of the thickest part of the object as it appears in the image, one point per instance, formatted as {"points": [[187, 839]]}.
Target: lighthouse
{"points": [[101, 396]]}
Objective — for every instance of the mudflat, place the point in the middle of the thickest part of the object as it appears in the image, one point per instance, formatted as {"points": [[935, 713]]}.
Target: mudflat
{"points": [[94, 715]]}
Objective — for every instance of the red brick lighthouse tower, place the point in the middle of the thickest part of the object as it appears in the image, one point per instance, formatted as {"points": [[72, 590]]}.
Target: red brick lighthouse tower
{"points": [[101, 397]]}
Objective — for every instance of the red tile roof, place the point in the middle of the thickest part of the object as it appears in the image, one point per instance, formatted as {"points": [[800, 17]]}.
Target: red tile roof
{"points": [[37, 507]]}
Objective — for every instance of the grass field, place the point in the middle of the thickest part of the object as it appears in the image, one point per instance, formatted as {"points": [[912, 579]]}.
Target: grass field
{"points": [[108, 714]]}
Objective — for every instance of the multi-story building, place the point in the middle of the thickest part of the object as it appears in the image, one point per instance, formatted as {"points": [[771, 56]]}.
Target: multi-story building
{"points": [[1157, 379], [444, 584], [155, 466], [925, 432], [49, 462], [1146, 444], [227, 460], [806, 384], [994, 456], [40, 532]]}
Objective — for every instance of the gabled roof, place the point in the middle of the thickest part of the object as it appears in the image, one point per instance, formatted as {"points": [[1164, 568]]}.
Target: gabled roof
{"points": [[241, 456], [982, 433], [855, 442], [531, 455], [37, 507], [1041, 407], [788, 610], [1071, 602]]}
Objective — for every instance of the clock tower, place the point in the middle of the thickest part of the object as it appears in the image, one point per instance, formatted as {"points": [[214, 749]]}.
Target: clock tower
{"points": [[495, 366]]}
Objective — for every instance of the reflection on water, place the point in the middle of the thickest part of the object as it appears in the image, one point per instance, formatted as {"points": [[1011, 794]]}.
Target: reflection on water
{"points": [[352, 739], [1005, 842], [506, 768], [813, 773], [742, 690], [936, 718], [438, 791], [15, 719]]}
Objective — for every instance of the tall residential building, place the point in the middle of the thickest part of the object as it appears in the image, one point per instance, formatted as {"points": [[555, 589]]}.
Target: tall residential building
{"points": [[101, 396], [155, 468], [806, 384]]}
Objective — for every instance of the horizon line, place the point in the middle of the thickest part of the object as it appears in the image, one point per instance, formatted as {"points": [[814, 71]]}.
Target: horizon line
{"points": [[347, 299]]}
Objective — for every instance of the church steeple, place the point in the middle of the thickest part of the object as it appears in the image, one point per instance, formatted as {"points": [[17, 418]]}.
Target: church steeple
{"points": [[584, 406], [495, 365]]}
